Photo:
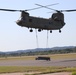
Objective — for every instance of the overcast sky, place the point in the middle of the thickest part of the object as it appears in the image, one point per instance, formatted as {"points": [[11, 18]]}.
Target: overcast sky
{"points": [[14, 37]]}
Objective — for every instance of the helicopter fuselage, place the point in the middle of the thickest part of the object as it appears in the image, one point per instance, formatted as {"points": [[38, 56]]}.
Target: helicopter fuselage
{"points": [[56, 22]]}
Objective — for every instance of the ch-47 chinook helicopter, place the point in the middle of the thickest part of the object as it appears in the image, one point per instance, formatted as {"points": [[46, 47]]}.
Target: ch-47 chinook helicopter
{"points": [[55, 22]]}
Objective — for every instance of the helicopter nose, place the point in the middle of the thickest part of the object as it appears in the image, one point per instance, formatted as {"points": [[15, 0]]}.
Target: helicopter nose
{"points": [[19, 22]]}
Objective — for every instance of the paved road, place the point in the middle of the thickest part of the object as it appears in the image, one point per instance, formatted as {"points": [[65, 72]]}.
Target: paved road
{"points": [[65, 63]]}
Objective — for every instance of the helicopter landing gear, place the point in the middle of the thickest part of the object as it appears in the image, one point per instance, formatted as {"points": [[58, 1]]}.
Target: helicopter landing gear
{"points": [[39, 30], [59, 31], [31, 30], [50, 31]]}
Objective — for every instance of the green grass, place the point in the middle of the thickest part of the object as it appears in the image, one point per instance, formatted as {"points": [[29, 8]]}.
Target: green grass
{"points": [[17, 58], [52, 56], [63, 56], [42, 70], [74, 73], [12, 69]]}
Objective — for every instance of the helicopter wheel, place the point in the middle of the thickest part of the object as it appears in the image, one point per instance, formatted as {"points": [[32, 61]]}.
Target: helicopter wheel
{"points": [[59, 31], [31, 30], [39, 30], [50, 31]]}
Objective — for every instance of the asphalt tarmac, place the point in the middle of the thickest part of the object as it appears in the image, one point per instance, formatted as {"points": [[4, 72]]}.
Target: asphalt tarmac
{"points": [[60, 63]]}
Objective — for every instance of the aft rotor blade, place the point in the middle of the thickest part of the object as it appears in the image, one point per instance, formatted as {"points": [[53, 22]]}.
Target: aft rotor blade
{"points": [[57, 10], [68, 10]]}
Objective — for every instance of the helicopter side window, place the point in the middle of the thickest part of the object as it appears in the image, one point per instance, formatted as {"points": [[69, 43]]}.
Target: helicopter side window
{"points": [[30, 20], [50, 22]]}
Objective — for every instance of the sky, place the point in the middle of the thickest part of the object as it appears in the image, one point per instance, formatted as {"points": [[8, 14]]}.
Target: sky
{"points": [[14, 37]]}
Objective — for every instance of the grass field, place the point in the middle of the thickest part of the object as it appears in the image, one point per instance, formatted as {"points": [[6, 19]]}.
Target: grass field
{"points": [[41, 70], [52, 56], [12, 69], [63, 56]]}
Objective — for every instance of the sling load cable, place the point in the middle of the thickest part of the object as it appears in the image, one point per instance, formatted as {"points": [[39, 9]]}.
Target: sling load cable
{"points": [[37, 39], [47, 40]]}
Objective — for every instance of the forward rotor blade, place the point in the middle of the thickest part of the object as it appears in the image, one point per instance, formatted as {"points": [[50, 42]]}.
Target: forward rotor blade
{"points": [[41, 7], [45, 7], [9, 10]]}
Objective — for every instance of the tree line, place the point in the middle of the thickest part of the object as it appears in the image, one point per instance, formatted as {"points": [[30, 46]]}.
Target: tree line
{"points": [[63, 51]]}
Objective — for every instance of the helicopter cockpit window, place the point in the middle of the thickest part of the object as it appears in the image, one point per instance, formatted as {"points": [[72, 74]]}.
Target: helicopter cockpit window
{"points": [[24, 15]]}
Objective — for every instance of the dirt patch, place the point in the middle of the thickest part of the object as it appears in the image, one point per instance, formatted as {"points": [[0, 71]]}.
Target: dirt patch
{"points": [[13, 74], [60, 73]]}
